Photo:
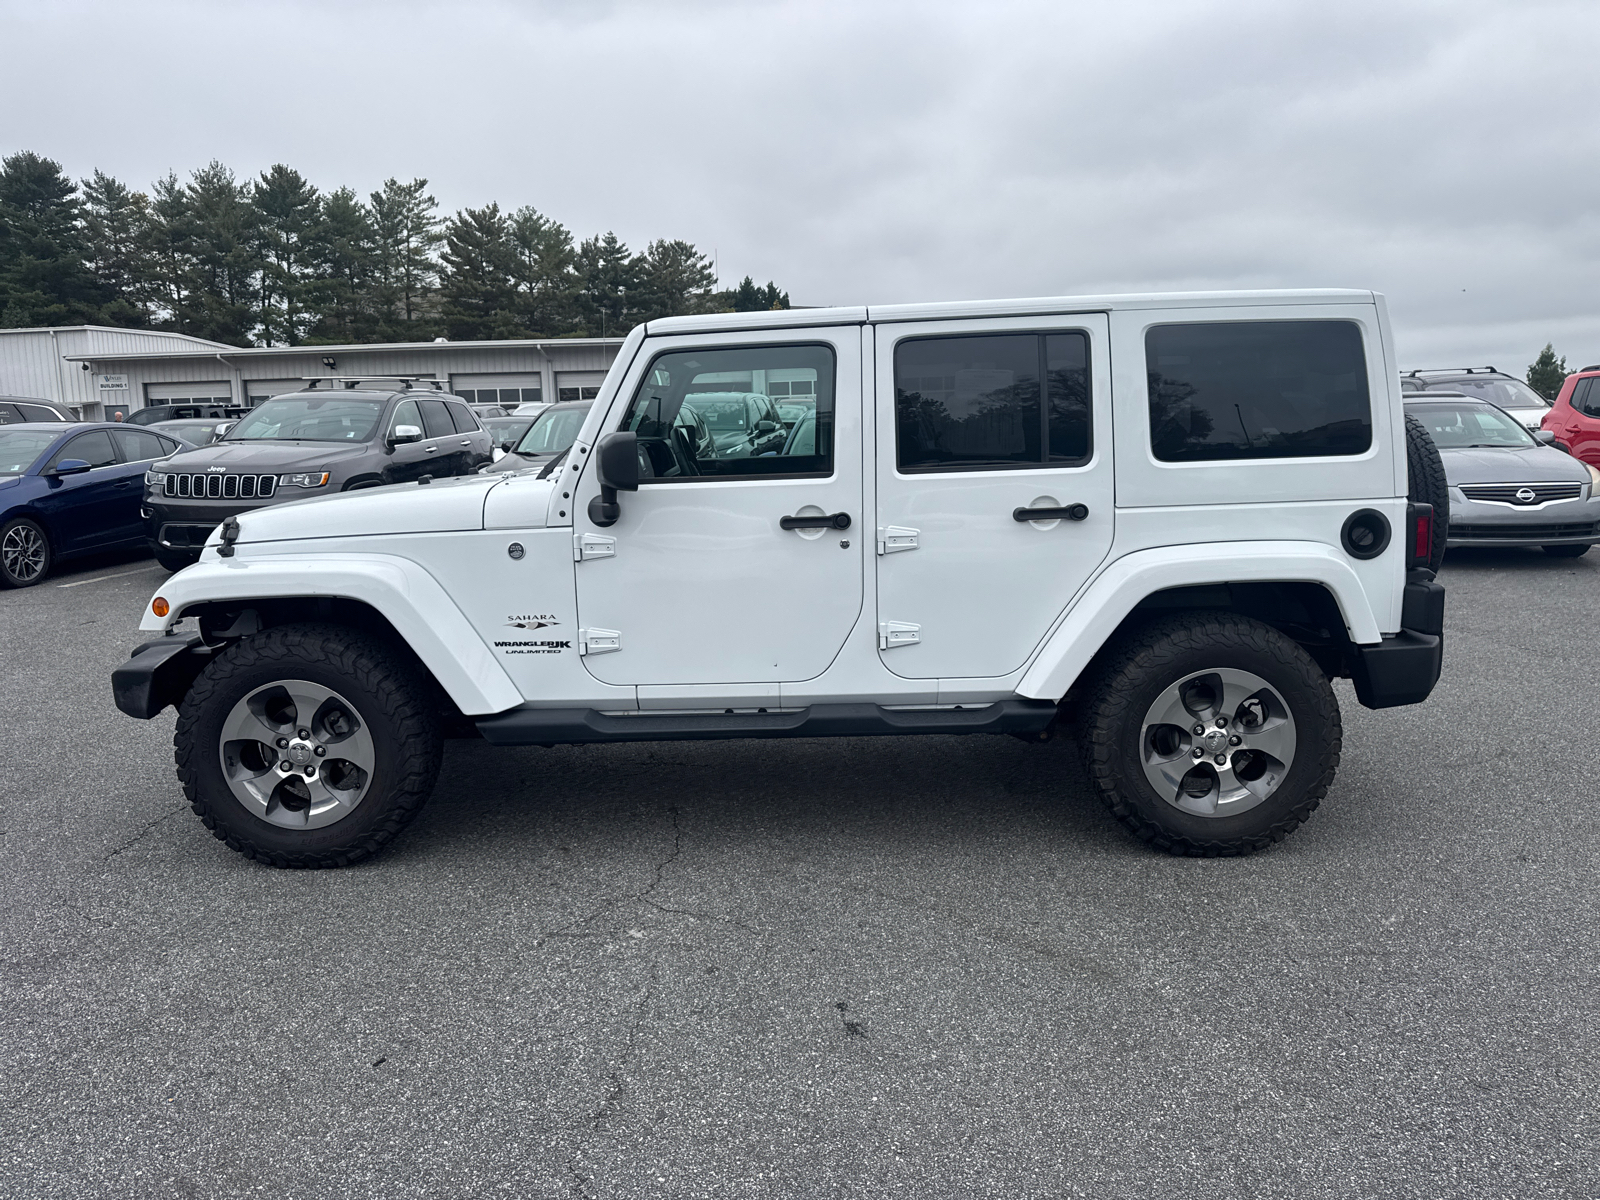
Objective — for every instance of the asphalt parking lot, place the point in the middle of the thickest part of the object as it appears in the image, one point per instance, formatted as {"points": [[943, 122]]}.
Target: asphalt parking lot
{"points": [[917, 967]]}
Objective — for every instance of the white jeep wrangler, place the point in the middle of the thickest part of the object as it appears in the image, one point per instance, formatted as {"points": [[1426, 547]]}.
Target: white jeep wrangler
{"points": [[1164, 522]]}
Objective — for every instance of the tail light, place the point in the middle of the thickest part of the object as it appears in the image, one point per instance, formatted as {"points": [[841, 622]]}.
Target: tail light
{"points": [[1420, 517]]}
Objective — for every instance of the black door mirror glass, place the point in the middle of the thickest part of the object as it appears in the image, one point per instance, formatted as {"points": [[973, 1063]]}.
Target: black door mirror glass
{"points": [[70, 466], [618, 467]]}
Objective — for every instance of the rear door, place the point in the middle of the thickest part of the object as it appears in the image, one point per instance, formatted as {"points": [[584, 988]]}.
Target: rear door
{"points": [[138, 449], [983, 428], [441, 444]]}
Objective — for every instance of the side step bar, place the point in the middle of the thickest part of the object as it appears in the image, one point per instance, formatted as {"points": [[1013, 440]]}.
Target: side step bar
{"points": [[552, 726]]}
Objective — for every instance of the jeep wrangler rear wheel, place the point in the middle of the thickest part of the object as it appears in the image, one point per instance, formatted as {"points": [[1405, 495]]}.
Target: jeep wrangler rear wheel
{"points": [[1212, 734], [307, 746]]}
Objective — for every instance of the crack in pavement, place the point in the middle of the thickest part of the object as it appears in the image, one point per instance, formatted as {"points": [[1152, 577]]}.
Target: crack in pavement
{"points": [[608, 1105], [138, 836]]}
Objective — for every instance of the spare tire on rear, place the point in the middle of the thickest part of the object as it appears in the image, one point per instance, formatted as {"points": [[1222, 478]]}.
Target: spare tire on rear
{"points": [[1428, 485]]}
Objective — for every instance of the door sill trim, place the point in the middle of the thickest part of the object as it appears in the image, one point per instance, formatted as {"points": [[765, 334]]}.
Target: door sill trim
{"points": [[565, 726]]}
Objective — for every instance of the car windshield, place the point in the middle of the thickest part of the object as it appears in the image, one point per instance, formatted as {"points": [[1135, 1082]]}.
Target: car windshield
{"points": [[1505, 393], [506, 430], [19, 447], [554, 431], [1463, 426], [310, 418]]}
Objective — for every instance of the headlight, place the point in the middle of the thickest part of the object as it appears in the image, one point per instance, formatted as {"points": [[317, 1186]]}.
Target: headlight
{"points": [[313, 479], [1594, 481], [155, 479]]}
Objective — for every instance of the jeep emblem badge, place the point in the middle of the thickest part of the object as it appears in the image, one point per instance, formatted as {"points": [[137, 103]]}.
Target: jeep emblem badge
{"points": [[1526, 495]]}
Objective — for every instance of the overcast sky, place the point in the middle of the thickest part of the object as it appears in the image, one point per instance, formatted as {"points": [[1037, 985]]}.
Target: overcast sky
{"points": [[1447, 154]]}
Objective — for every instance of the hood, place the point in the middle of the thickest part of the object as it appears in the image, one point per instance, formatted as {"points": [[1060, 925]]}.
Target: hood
{"points": [[1537, 464], [443, 506], [9, 481], [263, 456]]}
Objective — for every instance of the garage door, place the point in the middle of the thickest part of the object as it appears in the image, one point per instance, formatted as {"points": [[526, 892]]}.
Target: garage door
{"points": [[498, 389], [265, 389], [579, 385], [213, 392]]}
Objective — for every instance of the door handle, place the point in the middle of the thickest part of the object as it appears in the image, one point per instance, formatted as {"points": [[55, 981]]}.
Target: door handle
{"points": [[835, 521], [431, 449], [466, 442], [1070, 512]]}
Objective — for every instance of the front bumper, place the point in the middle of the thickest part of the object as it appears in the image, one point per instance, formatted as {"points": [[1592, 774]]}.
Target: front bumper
{"points": [[186, 525], [158, 673], [1561, 522], [1403, 668]]}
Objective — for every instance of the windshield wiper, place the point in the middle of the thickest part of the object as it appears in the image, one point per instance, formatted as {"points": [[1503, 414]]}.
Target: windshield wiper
{"points": [[553, 464]]}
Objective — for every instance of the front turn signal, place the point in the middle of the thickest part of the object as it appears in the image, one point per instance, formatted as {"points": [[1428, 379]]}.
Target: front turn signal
{"points": [[160, 607]]}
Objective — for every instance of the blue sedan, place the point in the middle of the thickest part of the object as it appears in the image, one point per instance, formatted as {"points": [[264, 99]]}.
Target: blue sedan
{"points": [[72, 489]]}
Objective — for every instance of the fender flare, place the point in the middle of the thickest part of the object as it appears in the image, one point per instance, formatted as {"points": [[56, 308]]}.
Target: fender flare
{"points": [[1124, 582], [411, 599]]}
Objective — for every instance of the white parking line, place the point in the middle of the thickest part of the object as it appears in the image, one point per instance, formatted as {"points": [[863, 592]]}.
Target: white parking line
{"points": [[103, 578]]}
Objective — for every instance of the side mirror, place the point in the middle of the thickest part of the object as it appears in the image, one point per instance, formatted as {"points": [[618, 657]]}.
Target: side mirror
{"points": [[499, 453], [1544, 437], [766, 427], [617, 468], [70, 466], [403, 434]]}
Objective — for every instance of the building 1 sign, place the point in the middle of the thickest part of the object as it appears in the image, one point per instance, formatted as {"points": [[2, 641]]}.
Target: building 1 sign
{"points": [[111, 383]]}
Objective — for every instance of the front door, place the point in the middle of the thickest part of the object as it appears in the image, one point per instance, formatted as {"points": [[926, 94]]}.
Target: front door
{"points": [[984, 428], [88, 510], [410, 460], [700, 581]]}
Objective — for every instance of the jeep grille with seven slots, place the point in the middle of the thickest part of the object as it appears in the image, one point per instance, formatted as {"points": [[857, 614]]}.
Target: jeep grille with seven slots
{"points": [[221, 487]]}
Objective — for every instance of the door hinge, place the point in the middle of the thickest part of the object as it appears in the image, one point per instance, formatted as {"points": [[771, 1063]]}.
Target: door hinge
{"points": [[598, 641], [898, 633], [593, 545], [893, 538]]}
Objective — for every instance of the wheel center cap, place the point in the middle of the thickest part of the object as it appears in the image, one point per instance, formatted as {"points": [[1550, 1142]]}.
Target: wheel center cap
{"points": [[300, 753], [1216, 741]]}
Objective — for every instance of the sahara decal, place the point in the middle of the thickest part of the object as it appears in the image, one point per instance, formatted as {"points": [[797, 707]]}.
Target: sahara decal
{"points": [[531, 621]]}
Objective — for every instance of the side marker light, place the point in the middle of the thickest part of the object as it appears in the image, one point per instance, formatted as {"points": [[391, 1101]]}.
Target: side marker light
{"points": [[160, 607]]}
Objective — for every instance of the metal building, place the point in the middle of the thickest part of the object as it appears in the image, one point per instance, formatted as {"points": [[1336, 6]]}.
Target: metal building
{"points": [[100, 372]]}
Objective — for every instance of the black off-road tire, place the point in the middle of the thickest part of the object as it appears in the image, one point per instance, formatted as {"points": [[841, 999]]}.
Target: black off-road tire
{"points": [[1427, 484], [397, 701], [1567, 551], [176, 560], [1158, 656], [22, 537]]}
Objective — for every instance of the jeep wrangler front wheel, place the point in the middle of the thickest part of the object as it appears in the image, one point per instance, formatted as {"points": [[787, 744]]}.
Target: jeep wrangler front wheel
{"points": [[307, 746], [1212, 734]]}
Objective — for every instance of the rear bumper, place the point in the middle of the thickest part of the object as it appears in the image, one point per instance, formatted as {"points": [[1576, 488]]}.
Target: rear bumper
{"points": [[1404, 666]]}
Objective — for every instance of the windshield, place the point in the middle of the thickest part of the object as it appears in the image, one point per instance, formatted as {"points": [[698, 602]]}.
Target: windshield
{"points": [[310, 418], [1506, 393], [19, 447], [554, 431], [1462, 426], [506, 430]]}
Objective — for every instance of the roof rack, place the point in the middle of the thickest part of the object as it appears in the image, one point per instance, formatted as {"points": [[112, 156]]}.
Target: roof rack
{"points": [[1596, 367], [1452, 371], [405, 383]]}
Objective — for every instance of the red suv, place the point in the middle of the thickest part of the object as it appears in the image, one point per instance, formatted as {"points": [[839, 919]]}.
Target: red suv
{"points": [[1575, 416]]}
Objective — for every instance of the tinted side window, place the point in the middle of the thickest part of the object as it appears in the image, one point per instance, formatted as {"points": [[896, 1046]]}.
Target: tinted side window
{"points": [[465, 422], [9, 414], [136, 445], [405, 413], [38, 412], [693, 413], [94, 448], [1586, 398], [436, 419], [976, 402], [1257, 389]]}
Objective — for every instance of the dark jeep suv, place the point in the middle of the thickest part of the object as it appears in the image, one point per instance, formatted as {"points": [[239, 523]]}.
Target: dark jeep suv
{"points": [[351, 434]]}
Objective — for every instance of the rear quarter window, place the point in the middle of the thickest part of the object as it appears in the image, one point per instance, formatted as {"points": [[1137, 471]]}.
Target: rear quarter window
{"points": [[1257, 389]]}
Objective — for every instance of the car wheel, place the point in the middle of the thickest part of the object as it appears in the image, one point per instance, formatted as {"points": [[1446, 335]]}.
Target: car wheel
{"points": [[176, 560], [1427, 484], [1567, 551], [308, 746], [25, 554], [1211, 734]]}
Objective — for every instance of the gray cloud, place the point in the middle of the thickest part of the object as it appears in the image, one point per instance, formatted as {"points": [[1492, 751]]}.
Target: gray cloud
{"points": [[1443, 153]]}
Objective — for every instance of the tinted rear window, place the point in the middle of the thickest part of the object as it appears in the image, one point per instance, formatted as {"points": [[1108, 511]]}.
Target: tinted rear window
{"points": [[1257, 389]]}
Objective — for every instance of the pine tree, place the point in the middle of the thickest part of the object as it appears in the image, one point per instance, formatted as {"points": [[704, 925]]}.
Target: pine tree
{"points": [[543, 283], [475, 280], [748, 297], [113, 226], [406, 235], [288, 232], [608, 286], [226, 257], [44, 272], [675, 279], [1547, 373], [343, 296], [167, 240]]}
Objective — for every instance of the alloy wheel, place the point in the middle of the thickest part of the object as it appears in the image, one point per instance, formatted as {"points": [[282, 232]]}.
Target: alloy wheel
{"points": [[1217, 743], [23, 553]]}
